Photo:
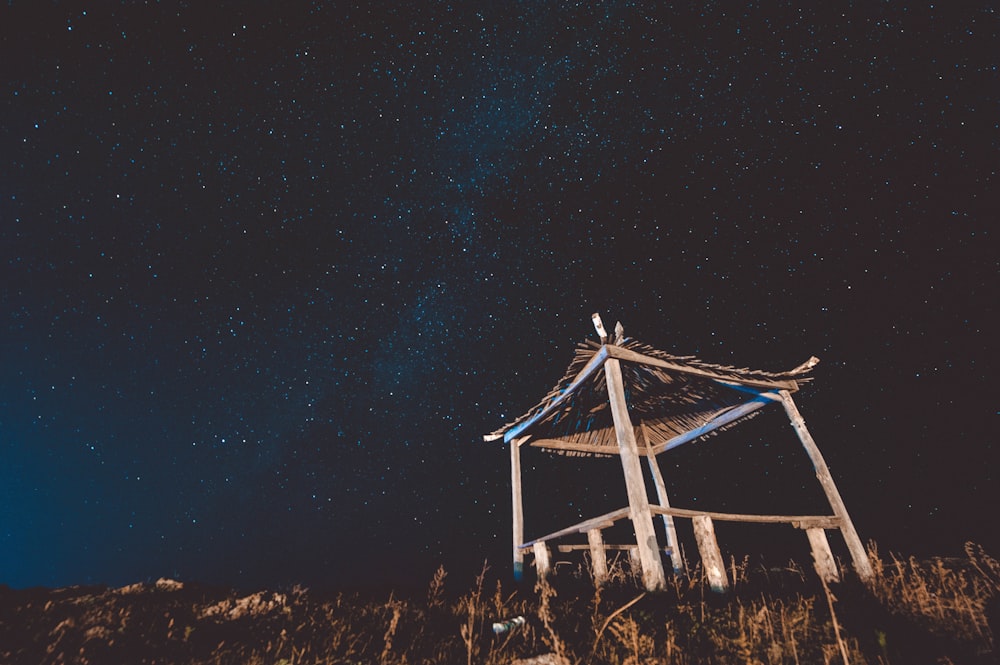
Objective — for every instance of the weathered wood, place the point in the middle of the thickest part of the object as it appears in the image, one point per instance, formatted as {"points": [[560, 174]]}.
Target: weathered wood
{"points": [[543, 564], [599, 522], [517, 507], [798, 521], [711, 557], [598, 556], [647, 447], [854, 545], [635, 561], [577, 447], [592, 366], [599, 327], [621, 353], [580, 547], [721, 420], [676, 558], [823, 561], [642, 519]]}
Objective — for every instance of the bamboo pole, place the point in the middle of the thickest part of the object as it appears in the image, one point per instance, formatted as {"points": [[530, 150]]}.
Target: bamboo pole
{"points": [[858, 554], [642, 518]]}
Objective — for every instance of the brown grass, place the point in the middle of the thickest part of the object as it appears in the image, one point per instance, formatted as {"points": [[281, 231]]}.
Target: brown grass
{"points": [[913, 611]]}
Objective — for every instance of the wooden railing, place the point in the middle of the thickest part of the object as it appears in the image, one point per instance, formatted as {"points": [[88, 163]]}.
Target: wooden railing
{"points": [[704, 531]]}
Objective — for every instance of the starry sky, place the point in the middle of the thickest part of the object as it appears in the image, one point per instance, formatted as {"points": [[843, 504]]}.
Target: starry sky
{"points": [[269, 271]]}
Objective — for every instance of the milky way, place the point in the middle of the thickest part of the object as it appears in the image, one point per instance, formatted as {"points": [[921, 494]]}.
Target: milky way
{"points": [[267, 275]]}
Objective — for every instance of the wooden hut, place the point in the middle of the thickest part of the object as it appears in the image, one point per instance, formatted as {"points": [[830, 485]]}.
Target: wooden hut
{"points": [[624, 398]]}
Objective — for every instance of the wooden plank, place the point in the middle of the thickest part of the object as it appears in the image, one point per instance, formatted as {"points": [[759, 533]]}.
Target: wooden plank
{"points": [[858, 554], [798, 521], [588, 370], [711, 557], [642, 519], [517, 507], [598, 556], [621, 353], [599, 522], [823, 561], [721, 420]]}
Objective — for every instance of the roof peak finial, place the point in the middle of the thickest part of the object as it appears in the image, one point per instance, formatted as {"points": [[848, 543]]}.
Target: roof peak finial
{"points": [[619, 333]]}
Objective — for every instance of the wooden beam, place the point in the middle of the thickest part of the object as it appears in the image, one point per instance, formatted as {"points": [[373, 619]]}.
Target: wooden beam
{"points": [[621, 353], [517, 507], [711, 557], [638, 501], [572, 446], [858, 554], [599, 522], [598, 556], [579, 547], [676, 558], [588, 370], [721, 420], [823, 561], [798, 521]]}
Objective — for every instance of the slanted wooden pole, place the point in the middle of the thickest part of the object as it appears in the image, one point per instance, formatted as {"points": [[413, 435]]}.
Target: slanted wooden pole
{"points": [[642, 519], [858, 554], [711, 557], [668, 520], [598, 557], [517, 507], [542, 563], [823, 561]]}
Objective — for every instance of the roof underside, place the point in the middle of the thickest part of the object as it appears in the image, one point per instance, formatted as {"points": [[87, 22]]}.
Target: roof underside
{"points": [[668, 397]]}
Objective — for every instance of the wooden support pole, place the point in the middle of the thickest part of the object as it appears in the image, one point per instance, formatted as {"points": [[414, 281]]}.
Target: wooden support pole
{"points": [[542, 562], [517, 507], [634, 561], [598, 556], [676, 558], [711, 557], [823, 561], [854, 545], [642, 519]]}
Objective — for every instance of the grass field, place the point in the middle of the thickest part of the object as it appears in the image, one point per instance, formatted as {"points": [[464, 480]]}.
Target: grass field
{"points": [[927, 611]]}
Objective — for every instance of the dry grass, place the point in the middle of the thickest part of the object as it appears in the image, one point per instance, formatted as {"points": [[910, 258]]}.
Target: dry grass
{"points": [[913, 611]]}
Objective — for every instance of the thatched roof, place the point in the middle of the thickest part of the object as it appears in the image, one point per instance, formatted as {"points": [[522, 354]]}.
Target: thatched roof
{"points": [[669, 398]]}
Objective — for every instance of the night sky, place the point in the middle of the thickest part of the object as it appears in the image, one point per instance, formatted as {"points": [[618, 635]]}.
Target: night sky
{"points": [[269, 271]]}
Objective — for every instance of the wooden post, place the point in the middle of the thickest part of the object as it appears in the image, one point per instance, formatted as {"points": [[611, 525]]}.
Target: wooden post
{"points": [[634, 562], [858, 554], [676, 558], [638, 501], [542, 562], [711, 557], [517, 507], [598, 557], [826, 566]]}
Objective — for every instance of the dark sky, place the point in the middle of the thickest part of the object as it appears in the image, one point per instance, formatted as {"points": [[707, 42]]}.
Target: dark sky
{"points": [[269, 271]]}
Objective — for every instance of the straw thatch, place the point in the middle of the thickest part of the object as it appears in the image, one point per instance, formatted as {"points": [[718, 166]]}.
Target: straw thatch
{"points": [[679, 394]]}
